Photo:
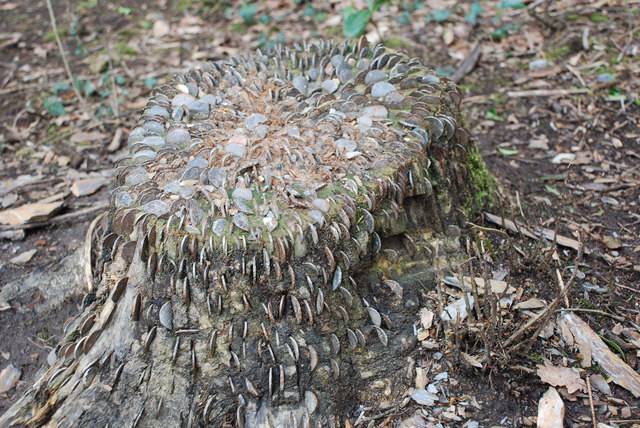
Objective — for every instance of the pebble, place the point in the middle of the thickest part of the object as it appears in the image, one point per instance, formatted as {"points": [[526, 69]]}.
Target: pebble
{"points": [[178, 136], [156, 207], [381, 89], [254, 119], [375, 76]]}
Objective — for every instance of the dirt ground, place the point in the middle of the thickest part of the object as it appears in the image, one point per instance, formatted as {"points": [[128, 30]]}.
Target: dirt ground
{"points": [[552, 98]]}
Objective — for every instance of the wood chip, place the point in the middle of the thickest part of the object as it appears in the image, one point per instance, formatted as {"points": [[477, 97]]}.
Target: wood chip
{"points": [[548, 234], [576, 332], [29, 213]]}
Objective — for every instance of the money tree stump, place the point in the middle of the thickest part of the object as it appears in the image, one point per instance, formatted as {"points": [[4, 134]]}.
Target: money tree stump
{"points": [[267, 244]]}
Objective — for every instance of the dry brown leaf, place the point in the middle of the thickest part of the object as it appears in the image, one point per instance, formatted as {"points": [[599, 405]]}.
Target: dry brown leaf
{"points": [[562, 376]]}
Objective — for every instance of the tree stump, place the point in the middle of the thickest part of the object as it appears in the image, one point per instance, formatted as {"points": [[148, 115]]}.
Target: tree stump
{"points": [[267, 244]]}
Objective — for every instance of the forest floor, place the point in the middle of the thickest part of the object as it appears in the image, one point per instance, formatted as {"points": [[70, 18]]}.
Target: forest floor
{"points": [[552, 96]]}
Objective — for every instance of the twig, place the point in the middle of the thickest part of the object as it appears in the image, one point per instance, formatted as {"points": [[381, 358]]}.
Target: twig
{"points": [[593, 311], [594, 421], [546, 93], [468, 64], [52, 17]]}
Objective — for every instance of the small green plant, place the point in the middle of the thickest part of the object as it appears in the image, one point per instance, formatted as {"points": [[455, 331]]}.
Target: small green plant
{"points": [[356, 21], [248, 13], [53, 105], [474, 11], [124, 11], [438, 15]]}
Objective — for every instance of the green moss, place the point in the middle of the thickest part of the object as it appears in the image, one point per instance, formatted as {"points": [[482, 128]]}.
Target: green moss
{"points": [[482, 183], [559, 52]]}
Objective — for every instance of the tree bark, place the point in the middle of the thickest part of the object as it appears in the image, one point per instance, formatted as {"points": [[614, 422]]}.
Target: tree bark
{"points": [[267, 247]]}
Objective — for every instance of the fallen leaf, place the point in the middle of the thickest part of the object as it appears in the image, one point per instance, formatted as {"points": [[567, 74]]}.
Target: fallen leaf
{"points": [[29, 213], [87, 137], [23, 257], [551, 410], [457, 309], [611, 242], [472, 361], [87, 186], [9, 376], [562, 376], [426, 318], [497, 287], [530, 304], [161, 28], [424, 397]]}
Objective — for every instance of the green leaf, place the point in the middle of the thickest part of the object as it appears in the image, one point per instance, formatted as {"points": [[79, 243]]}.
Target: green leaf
{"points": [[150, 82], [492, 114], [88, 88], [472, 16], [54, 106], [511, 4], [375, 4], [247, 12], [507, 152], [265, 19], [551, 190], [146, 25], [124, 10], [441, 15], [597, 17], [62, 86], [120, 80], [356, 22]]}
